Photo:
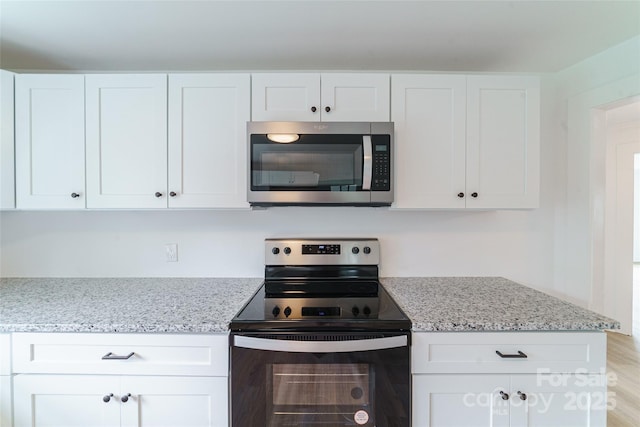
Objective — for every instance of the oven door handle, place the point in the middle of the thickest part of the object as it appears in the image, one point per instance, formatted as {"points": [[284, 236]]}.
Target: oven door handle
{"points": [[320, 346], [367, 166]]}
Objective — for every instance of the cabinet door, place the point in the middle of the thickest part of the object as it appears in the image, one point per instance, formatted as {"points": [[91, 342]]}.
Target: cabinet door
{"points": [[354, 97], [126, 141], [503, 141], [208, 115], [5, 401], [7, 172], [175, 401], [558, 400], [66, 400], [285, 97], [50, 141], [429, 116], [460, 400]]}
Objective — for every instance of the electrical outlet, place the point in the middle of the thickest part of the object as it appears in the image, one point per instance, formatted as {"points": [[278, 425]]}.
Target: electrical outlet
{"points": [[171, 251]]}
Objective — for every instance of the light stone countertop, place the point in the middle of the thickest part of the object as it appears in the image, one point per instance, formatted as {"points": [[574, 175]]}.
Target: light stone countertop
{"points": [[207, 305], [179, 305], [467, 304]]}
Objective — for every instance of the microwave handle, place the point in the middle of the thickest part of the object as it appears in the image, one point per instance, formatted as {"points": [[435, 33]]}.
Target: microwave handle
{"points": [[367, 168], [320, 346]]}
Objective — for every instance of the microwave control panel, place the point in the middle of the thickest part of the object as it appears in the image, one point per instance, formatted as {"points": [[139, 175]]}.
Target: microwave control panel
{"points": [[381, 150]]}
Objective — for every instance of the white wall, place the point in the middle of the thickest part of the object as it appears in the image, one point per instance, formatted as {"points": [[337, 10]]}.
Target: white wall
{"points": [[226, 244], [547, 248], [586, 89]]}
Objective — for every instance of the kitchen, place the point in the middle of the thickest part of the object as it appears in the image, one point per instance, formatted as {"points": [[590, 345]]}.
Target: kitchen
{"points": [[543, 248]]}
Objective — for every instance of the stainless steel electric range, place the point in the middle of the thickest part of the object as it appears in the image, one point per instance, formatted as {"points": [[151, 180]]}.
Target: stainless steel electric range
{"points": [[321, 342]]}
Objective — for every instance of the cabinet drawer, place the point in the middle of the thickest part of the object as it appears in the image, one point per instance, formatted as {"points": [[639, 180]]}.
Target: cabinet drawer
{"points": [[5, 354], [522, 352], [141, 354]]}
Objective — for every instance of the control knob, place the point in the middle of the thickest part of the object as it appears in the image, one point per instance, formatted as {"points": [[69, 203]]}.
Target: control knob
{"points": [[355, 310], [355, 250], [366, 310], [275, 311], [287, 250], [275, 251], [366, 250], [287, 311]]}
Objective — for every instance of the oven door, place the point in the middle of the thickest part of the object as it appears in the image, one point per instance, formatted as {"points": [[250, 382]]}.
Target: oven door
{"points": [[325, 380]]}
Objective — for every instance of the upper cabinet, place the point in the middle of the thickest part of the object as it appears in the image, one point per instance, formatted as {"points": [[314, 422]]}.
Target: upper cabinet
{"points": [[429, 115], [179, 141], [466, 141], [503, 141], [337, 97], [208, 115], [126, 142], [7, 184], [49, 113]]}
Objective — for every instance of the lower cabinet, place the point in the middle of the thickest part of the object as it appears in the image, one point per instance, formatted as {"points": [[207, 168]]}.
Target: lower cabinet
{"points": [[508, 400], [6, 408], [127, 401], [509, 379], [128, 380]]}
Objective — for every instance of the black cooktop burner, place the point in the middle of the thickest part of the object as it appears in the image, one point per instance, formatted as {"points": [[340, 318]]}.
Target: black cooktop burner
{"points": [[329, 313], [321, 285]]}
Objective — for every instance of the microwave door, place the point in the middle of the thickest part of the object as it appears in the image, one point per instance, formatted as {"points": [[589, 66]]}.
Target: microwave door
{"points": [[367, 167]]}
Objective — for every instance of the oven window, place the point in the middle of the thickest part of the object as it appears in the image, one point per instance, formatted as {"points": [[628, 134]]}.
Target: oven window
{"points": [[309, 163], [307, 393]]}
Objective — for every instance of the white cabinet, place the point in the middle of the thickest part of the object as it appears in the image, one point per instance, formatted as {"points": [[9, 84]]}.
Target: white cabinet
{"points": [[49, 114], [126, 140], [339, 97], [7, 172], [503, 141], [6, 409], [466, 141], [99, 400], [208, 114], [541, 379], [429, 115], [143, 380]]}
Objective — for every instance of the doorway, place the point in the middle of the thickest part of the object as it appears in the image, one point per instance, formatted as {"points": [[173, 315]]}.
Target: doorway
{"points": [[621, 273], [636, 245]]}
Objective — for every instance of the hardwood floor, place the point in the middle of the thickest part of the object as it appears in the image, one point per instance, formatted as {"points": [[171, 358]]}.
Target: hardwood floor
{"points": [[623, 360]]}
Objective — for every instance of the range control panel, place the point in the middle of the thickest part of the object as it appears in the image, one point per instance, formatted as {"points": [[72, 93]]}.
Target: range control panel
{"points": [[322, 252], [305, 308]]}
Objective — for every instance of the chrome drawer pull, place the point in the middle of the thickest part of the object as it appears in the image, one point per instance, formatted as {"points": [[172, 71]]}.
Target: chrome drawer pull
{"points": [[520, 355], [111, 356]]}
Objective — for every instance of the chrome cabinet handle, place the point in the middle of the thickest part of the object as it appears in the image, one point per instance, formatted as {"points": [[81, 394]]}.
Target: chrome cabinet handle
{"points": [[75, 195], [158, 194], [107, 398], [111, 356], [125, 398], [461, 195], [474, 195], [523, 396], [505, 396], [173, 194], [327, 109], [520, 355], [314, 109]]}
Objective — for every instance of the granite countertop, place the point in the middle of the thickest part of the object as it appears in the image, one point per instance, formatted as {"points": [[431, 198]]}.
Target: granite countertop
{"points": [[207, 305], [122, 305], [449, 304]]}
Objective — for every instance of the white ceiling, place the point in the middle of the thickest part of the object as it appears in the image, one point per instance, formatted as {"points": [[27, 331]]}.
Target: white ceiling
{"points": [[510, 36]]}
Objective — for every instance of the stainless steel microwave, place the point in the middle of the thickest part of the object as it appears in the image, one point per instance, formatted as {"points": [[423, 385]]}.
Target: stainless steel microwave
{"points": [[320, 163]]}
